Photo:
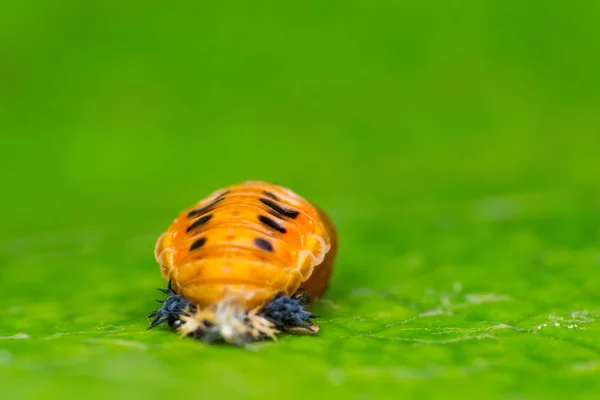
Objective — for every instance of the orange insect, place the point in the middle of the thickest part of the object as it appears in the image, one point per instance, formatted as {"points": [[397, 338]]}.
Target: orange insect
{"points": [[241, 263]]}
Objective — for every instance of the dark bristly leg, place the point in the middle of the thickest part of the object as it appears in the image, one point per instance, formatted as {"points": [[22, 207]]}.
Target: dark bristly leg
{"points": [[169, 290], [288, 312], [172, 309]]}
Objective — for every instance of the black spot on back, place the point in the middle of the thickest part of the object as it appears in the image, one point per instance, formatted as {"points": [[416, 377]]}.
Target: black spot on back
{"points": [[199, 211], [270, 195], [271, 224], [198, 243], [263, 244], [199, 223], [286, 212]]}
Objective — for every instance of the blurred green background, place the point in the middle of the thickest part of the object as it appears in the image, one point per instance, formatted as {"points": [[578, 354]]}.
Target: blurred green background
{"points": [[455, 144]]}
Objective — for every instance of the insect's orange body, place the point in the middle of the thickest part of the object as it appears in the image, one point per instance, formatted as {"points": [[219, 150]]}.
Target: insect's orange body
{"points": [[245, 244]]}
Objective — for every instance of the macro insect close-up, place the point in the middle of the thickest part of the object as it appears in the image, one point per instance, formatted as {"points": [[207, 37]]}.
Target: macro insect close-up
{"points": [[243, 263], [355, 199]]}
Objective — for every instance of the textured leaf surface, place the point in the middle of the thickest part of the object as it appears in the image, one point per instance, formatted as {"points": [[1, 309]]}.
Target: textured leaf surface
{"points": [[455, 147]]}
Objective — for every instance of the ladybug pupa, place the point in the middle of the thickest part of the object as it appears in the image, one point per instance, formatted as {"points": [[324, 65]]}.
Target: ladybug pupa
{"points": [[243, 263]]}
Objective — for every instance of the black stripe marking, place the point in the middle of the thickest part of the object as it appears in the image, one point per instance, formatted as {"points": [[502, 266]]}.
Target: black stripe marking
{"points": [[271, 224], [223, 194], [270, 195], [198, 243], [263, 244], [286, 212], [199, 223], [199, 211]]}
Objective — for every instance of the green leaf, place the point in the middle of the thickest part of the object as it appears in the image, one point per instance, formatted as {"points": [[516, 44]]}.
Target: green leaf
{"points": [[456, 148]]}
